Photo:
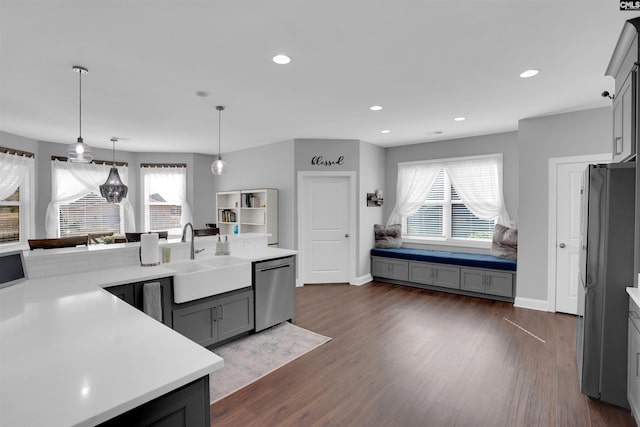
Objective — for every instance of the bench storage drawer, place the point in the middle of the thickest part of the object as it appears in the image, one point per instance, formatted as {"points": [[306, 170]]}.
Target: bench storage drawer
{"points": [[390, 268], [426, 273]]}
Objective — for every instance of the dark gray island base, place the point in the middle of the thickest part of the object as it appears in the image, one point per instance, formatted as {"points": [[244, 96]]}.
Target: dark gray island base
{"points": [[187, 406]]}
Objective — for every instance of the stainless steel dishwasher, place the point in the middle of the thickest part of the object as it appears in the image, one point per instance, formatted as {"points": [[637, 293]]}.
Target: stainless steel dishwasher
{"points": [[275, 291]]}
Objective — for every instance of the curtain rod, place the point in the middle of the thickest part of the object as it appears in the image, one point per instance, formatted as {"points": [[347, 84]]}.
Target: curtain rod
{"points": [[163, 165], [95, 162], [17, 152]]}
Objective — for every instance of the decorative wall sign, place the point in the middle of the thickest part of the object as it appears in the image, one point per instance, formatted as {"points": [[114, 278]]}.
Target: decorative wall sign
{"points": [[321, 161]]}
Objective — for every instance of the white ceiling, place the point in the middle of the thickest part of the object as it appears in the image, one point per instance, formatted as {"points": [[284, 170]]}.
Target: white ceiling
{"points": [[425, 61]]}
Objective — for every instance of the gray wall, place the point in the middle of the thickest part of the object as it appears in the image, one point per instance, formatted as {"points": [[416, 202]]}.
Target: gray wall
{"points": [[328, 150], [539, 139], [200, 196], [505, 143], [372, 177], [268, 166]]}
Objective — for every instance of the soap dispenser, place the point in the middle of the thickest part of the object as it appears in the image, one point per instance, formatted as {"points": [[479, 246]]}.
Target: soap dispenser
{"points": [[219, 246], [226, 246]]}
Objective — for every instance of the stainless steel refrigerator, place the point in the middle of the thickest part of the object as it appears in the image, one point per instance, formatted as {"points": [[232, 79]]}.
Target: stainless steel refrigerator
{"points": [[606, 268]]}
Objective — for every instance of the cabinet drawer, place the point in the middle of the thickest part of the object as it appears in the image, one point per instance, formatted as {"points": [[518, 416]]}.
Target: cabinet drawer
{"points": [[472, 280], [198, 322], [487, 282], [447, 277], [390, 268], [499, 283], [421, 272], [441, 275]]}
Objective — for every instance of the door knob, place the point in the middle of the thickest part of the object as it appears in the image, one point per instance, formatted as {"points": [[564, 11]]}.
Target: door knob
{"points": [[562, 245], [346, 235]]}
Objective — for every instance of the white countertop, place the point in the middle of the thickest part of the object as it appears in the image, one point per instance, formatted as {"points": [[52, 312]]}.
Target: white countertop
{"points": [[263, 253], [73, 354], [634, 294]]}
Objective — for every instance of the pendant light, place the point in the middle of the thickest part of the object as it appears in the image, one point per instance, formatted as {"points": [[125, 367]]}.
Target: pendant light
{"points": [[79, 152], [113, 190], [219, 166]]}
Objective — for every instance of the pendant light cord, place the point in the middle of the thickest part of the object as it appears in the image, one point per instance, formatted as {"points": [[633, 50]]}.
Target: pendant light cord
{"points": [[80, 103], [219, 133]]}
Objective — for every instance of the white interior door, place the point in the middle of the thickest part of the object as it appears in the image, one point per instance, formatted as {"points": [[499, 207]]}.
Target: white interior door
{"points": [[326, 231], [569, 184]]}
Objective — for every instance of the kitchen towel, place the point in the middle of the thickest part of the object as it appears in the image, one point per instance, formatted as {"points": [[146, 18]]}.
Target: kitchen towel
{"points": [[152, 300], [149, 249]]}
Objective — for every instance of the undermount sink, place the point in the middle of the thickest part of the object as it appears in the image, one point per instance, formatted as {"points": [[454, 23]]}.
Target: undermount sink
{"points": [[205, 277]]}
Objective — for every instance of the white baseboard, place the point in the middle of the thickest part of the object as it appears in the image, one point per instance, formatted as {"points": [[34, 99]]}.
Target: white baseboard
{"points": [[532, 304], [299, 283], [359, 281]]}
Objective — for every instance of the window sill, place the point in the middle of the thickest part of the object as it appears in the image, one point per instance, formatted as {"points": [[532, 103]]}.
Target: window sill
{"points": [[450, 243]]}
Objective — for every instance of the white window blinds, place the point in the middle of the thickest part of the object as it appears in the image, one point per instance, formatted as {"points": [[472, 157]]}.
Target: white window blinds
{"points": [[165, 199]]}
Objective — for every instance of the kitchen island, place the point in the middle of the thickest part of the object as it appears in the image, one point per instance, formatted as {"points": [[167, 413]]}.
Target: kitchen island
{"points": [[73, 354]]}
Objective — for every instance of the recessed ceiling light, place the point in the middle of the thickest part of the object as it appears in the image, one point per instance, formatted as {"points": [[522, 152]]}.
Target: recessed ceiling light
{"points": [[529, 73], [281, 59], [385, 131], [375, 108], [460, 119], [202, 94]]}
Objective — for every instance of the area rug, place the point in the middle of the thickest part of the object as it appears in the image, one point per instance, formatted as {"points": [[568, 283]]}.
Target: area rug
{"points": [[250, 358]]}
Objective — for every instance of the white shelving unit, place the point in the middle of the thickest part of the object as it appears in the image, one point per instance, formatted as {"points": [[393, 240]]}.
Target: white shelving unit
{"points": [[254, 211], [228, 210]]}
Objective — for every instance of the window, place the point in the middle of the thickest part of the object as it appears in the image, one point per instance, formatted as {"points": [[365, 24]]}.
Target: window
{"points": [[165, 198], [76, 206], [16, 204], [451, 201], [10, 218], [90, 214], [443, 215]]}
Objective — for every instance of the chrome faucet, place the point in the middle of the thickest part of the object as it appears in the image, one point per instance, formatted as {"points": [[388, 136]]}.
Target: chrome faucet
{"points": [[193, 251]]}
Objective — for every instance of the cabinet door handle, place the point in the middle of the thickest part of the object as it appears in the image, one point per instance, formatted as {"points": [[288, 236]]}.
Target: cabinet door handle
{"points": [[619, 145], [637, 364], [215, 313], [221, 312]]}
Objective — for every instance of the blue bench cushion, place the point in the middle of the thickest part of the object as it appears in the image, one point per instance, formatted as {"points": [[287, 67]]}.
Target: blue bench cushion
{"points": [[443, 257]]}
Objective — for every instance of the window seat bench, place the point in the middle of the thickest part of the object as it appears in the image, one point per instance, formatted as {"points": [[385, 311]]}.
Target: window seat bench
{"points": [[470, 274]]}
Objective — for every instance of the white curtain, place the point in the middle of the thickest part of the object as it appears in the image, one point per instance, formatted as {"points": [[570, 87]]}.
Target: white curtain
{"points": [[171, 184], [13, 172], [72, 181], [478, 182], [414, 183], [18, 171]]}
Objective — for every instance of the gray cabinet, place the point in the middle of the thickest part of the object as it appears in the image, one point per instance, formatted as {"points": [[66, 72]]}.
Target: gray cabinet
{"points": [[487, 282], [208, 321], [390, 268], [441, 275], [494, 284], [187, 406], [132, 293], [633, 359], [624, 123]]}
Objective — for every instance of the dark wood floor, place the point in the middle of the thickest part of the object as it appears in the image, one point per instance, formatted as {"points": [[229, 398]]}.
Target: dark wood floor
{"points": [[402, 356]]}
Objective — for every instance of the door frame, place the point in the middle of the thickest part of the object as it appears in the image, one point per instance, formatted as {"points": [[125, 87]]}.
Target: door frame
{"points": [[353, 235], [552, 250]]}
